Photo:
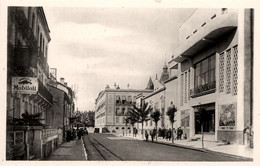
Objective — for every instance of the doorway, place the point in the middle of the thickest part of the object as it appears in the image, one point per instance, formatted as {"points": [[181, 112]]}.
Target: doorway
{"points": [[208, 126]]}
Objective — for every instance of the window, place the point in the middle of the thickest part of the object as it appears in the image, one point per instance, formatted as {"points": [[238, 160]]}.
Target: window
{"points": [[134, 99], [33, 22], [43, 46], [205, 71], [224, 10], [118, 112], [129, 99], [117, 128], [118, 101], [123, 111], [123, 100], [40, 41]]}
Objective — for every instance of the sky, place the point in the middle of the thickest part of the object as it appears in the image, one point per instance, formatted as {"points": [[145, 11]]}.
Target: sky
{"points": [[94, 47]]}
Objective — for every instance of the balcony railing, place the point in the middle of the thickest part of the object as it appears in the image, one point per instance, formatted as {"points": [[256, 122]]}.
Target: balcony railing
{"points": [[203, 89], [43, 62], [49, 133], [43, 91]]}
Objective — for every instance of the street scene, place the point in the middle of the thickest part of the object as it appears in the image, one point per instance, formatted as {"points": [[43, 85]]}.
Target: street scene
{"points": [[129, 84]]}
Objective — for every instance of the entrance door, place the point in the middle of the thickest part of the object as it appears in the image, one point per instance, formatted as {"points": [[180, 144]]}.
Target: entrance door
{"points": [[209, 125]]}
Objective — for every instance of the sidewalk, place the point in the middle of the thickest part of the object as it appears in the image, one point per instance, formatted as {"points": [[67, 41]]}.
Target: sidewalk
{"points": [[234, 150], [72, 150]]}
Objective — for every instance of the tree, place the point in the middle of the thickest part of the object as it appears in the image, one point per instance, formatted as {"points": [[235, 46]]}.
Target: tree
{"points": [[171, 114], [32, 119], [156, 115], [126, 120], [203, 117], [132, 119], [141, 113]]}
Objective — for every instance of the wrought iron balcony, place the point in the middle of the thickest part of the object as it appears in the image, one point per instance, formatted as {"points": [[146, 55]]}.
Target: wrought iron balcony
{"points": [[43, 91], [203, 89]]}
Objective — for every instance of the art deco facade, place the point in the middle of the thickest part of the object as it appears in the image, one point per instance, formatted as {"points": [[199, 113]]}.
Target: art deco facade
{"points": [[214, 59]]}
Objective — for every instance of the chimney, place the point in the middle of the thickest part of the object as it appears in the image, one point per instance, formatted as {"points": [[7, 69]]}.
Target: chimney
{"points": [[128, 86], [115, 85], [62, 80], [107, 87]]}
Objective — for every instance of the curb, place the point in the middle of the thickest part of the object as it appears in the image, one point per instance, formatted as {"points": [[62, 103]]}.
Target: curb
{"points": [[204, 150], [83, 148]]}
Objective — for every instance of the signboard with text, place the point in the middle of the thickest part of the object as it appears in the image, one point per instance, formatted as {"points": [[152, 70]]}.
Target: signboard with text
{"points": [[24, 85]]}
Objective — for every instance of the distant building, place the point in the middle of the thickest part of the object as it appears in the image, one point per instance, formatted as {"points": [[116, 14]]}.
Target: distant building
{"points": [[112, 106], [215, 72]]}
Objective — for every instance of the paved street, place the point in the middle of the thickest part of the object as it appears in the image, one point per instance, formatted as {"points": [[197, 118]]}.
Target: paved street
{"points": [[124, 148]]}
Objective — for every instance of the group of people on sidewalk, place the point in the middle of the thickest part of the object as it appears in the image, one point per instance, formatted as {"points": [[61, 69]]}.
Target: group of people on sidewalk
{"points": [[72, 134], [165, 134]]}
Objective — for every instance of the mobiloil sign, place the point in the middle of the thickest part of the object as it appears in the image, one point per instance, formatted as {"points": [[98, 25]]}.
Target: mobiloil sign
{"points": [[25, 85]]}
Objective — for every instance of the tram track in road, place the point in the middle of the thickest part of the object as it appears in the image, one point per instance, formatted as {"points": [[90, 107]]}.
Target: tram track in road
{"points": [[102, 152]]}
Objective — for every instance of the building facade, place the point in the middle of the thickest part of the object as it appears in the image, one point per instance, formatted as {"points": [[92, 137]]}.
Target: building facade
{"points": [[112, 106], [62, 110], [27, 79], [214, 59]]}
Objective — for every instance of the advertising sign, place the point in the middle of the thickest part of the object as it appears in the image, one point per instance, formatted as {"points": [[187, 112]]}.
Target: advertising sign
{"points": [[24, 85]]}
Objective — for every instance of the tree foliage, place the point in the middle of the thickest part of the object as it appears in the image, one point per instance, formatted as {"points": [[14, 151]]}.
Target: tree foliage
{"points": [[141, 114], [171, 113], [32, 119], [156, 115]]}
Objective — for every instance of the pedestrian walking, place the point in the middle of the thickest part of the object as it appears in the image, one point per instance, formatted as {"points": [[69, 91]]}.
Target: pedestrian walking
{"points": [[151, 134], [181, 132], [178, 133], [154, 133], [68, 138], [169, 134], [146, 135], [163, 133]]}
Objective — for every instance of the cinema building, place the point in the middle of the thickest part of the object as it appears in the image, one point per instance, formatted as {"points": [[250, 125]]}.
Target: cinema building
{"points": [[112, 106], [214, 61], [28, 98]]}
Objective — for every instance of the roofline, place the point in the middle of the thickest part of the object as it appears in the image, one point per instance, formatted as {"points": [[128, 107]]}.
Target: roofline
{"points": [[154, 93], [170, 79]]}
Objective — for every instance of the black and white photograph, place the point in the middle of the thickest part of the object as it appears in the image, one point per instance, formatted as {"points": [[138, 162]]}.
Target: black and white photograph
{"points": [[144, 82]]}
